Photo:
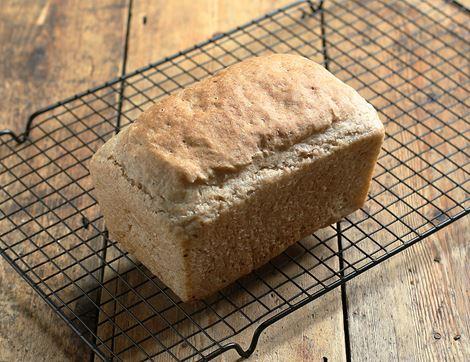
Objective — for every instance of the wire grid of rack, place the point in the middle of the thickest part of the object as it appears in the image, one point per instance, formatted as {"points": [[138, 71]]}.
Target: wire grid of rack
{"points": [[409, 60]]}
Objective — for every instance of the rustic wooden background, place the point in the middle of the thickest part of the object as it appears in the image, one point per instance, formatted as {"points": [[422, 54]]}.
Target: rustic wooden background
{"points": [[413, 307]]}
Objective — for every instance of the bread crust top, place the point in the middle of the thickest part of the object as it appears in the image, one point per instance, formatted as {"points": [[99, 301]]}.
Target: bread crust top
{"points": [[215, 128]]}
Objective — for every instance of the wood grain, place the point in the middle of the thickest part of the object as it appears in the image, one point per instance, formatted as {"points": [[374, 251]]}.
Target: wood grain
{"points": [[173, 26], [413, 307], [49, 51]]}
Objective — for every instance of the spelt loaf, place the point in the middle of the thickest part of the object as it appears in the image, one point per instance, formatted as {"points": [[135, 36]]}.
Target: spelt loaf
{"points": [[217, 179]]}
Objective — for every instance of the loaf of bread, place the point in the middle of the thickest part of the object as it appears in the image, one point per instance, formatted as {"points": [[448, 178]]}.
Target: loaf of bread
{"points": [[217, 179]]}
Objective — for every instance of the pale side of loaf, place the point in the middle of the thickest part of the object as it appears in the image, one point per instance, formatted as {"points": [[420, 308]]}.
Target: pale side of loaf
{"points": [[214, 181]]}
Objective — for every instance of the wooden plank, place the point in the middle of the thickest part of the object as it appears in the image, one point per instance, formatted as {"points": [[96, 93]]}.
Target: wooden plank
{"points": [[158, 29], [415, 306], [49, 51], [162, 27]]}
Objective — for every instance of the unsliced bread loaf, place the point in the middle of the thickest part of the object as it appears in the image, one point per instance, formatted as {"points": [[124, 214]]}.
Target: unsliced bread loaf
{"points": [[217, 179]]}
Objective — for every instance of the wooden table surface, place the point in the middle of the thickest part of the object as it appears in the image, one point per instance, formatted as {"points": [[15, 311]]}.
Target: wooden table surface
{"points": [[414, 307]]}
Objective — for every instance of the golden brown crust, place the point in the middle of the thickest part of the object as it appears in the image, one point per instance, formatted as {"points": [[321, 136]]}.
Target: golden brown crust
{"points": [[217, 126], [265, 140]]}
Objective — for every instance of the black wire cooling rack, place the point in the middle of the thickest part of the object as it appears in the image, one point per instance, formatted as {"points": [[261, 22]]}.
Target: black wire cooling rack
{"points": [[409, 59]]}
